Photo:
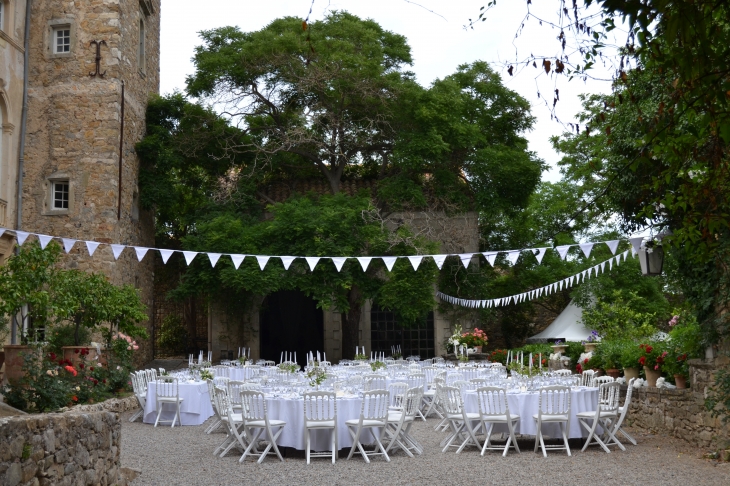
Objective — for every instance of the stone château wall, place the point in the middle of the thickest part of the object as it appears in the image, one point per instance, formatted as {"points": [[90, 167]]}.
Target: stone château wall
{"points": [[61, 449]]}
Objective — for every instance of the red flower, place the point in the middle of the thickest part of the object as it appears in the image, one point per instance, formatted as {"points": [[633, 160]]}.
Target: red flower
{"points": [[75, 398], [61, 362], [585, 361], [649, 349], [84, 351], [579, 368], [91, 368], [656, 367], [642, 361], [642, 346], [81, 365], [52, 356], [76, 351], [71, 370]]}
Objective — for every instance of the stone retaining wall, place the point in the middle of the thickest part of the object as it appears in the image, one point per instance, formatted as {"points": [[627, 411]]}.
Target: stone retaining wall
{"points": [[80, 446]]}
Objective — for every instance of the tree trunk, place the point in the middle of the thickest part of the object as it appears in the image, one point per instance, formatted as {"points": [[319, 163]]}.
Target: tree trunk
{"points": [[351, 323], [191, 320], [77, 323]]}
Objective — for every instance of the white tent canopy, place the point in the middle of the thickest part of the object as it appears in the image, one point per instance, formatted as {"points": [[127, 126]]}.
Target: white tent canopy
{"points": [[568, 326]]}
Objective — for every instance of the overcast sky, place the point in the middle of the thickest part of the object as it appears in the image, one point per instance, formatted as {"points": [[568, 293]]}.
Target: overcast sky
{"points": [[435, 32]]}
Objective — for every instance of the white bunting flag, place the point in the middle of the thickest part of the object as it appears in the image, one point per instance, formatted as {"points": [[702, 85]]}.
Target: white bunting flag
{"points": [[189, 256], [484, 304], [415, 261], [165, 254], [603, 267], [626, 255], [439, 260], [68, 244], [263, 260], [117, 250], [612, 245], [213, 257], [141, 252], [512, 256], [364, 262], [491, 257], [586, 247], [339, 261], [610, 264], [562, 250], [44, 240], [560, 285], [539, 254], [91, 246], [21, 236], [466, 258], [312, 262], [237, 259], [389, 262], [636, 242]]}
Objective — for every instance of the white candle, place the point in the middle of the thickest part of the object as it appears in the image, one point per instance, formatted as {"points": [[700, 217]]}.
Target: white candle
{"points": [[318, 356], [325, 355], [295, 356], [530, 362], [281, 357], [356, 349], [371, 355], [540, 358]]}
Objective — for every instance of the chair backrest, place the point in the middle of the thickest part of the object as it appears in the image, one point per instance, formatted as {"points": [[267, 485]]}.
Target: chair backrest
{"points": [[627, 401], [416, 380], [253, 405], [430, 373], [162, 371], [135, 383], [221, 381], [464, 386], [151, 374], [453, 377], [599, 380], [221, 405], [412, 401], [397, 394], [563, 372], [221, 371], [375, 405], [478, 381], [554, 400], [250, 386], [414, 368], [211, 394], [233, 388], [374, 382], [451, 400], [166, 387], [609, 396], [468, 373], [588, 377], [320, 406], [493, 401]]}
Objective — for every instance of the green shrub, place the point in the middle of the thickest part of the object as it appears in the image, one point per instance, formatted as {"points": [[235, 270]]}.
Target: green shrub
{"points": [[63, 335], [173, 336]]}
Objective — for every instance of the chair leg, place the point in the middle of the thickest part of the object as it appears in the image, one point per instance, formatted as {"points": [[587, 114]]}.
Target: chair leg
{"points": [[488, 438], [565, 438], [136, 415], [628, 437], [250, 446], [511, 428], [308, 442]]}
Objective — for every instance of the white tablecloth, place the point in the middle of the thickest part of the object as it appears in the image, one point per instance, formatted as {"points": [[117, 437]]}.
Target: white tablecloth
{"points": [[194, 409], [526, 404], [292, 412]]}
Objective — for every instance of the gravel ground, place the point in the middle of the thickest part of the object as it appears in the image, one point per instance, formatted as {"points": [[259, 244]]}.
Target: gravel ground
{"points": [[183, 455]]}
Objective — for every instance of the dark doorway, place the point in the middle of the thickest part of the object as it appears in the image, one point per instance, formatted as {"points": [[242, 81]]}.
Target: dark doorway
{"points": [[290, 321], [386, 331]]}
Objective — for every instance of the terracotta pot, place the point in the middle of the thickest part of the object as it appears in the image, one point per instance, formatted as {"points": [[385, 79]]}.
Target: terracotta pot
{"points": [[597, 372], [478, 349], [590, 347], [651, 376], [14, 361], [631, 373], [613, 373], [69, 353], [680, 381]]}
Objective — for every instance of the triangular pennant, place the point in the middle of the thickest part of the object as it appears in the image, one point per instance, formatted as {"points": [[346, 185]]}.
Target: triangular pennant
{"points": [[612, 245], [539, 254], [466, 258], [189, 256], [166, 254], [571, 280], [618, 259], [603, 267], [339, 261], [562, 250], [213, 257], [237, 259], [141, 252], [117, 250], [389, 262], [586, 247], [21, 236], [491, 257], [286, 261], [364, 262], [512, 256], [263, 260], [560, 285], [636, 242], [626, 254], [68, 244], [415, 261], [44, 240], [610, 263], [91, 246], [484, 304], [497, 302], [312, 261], [439, 260]]}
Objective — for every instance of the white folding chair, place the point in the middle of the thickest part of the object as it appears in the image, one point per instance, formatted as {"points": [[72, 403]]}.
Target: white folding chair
{"points": [[604, 415], [458, 419], [587, 377], [553, 408], [400, 422], [217, 422], [373, 415], [235, 432], [494, 409], [140, 393], [256, 418], [234, 387], [599, 380], [320, 413], [374, 382], [167, 392], [397, 392], [623, 411]]}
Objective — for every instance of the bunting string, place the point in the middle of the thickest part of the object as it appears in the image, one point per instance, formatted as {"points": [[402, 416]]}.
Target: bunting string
{"points": [[312, 261], [565, 283]]}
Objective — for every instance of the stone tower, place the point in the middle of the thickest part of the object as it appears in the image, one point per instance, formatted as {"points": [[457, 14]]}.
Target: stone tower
{"points": [[93, 66]]}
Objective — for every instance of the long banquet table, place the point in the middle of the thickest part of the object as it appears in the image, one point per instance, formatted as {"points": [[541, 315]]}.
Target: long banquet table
{"points": [[194, 409]]}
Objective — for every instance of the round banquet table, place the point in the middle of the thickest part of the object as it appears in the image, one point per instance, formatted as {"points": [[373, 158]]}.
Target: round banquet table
{"points": [[525, 404], [194, 409], [291, 410]]}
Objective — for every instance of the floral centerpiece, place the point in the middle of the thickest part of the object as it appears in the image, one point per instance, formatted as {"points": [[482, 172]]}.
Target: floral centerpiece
{"points": [[289, 367], [360, 357], [243, 360], [316, 376], [206, 375], [376, 365]]}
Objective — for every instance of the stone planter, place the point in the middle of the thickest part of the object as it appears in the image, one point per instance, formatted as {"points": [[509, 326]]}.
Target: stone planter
{"points": [[73, 354], [680, 381], [590, 347], [14, 361], [560, 348], [613, 373], [631, 373], [651, 376]]}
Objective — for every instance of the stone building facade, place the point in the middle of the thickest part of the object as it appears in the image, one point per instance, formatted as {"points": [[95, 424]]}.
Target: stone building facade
{"points": [[93, 64]]}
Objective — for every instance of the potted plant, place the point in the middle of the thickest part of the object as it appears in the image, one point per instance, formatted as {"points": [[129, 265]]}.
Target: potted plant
{"points": [[475, 339], [685, 342], [560, 347], [610, 355], [591, 343], [652, 359], [629, 359]]}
